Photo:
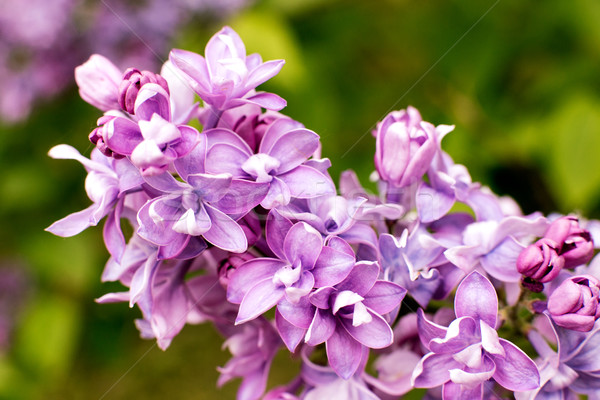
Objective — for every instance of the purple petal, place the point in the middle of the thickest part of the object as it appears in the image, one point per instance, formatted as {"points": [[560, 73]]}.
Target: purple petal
{"points": [[226, 158], [166, 183], [299, 314], [515, 371], [226, 136], [344, 353], [384, 297], [501, 263], [194, 66], [174, 248], [321, 328], [112, 233], [476, 297], [428, 330], [460, 334], [210, 187], [293, 148], [306, 182], [74, 223], [434, 370], [155, 220], [290, 334], [278, 195], [455, 391], [249, 274], [123, 135], [361, 279], [259, 299], [276, 229], [433, 204], [224, 232], [264, 72], [193, 162], [320, 297], [275, 131], [270, 101], [376, 334], [241, 197], [152, 99], [332, 267], [303, 243]]}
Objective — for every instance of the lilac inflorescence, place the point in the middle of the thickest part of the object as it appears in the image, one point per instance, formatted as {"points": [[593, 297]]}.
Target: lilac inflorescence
{"points": [[240, 224]]}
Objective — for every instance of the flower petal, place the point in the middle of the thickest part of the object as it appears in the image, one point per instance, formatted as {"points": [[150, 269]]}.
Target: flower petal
{"points": [[476, 297], [433, 370], [321, 328], [275, 231], [224, 232], [303, 243], [384, 297], [344, 353], [515, 371], [249, 274], [332, 267], [259, 299], [290, 334], [376, 334]]}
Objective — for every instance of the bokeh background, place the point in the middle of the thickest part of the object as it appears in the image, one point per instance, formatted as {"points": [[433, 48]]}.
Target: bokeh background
{"points": [[520, 80]]}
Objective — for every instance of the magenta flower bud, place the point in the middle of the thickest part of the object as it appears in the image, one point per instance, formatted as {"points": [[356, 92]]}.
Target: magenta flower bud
{"points": [[574, 304], [576, 244], [540, 261], [405, 146], [132, 82]]}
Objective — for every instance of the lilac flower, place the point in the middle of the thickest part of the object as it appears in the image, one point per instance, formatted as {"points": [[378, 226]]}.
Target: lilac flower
{"points": [[154, 142], [133, 80], [107, 183], [323, 382], [574, 304], [286, 145], [469, 352], [302, 264], [572, 370], [200, 207], [405, 146], [348, 317], [253, 346], [410, 261], [226, 77], [496, 245]]}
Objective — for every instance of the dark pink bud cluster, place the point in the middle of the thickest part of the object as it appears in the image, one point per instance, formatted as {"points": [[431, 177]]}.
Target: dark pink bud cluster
{"points": [[132, 82], [564, 245]]}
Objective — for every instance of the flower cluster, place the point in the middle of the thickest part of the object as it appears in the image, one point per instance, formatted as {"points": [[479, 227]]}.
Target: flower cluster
{"points": [[240, 224]]}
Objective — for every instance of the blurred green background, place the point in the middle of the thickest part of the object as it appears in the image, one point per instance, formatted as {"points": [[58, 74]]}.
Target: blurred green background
{"points": [[520, 80]]}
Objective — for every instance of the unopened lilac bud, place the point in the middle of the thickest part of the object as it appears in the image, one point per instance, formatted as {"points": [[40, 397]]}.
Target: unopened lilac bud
{"points": [[230, 264], [574, 304], [405, 146], [575, 244], [98, 80], [132, 82], [540, 261]]}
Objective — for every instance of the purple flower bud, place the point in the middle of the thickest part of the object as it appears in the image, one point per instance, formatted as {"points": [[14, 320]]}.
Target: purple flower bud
{"points": [[574, 304], [540, 261], [576, 244], [132, 82], [405, 147]]}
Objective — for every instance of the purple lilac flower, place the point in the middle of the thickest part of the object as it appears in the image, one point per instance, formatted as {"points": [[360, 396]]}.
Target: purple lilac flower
{"points": [[98, 80], [575, 243], [286, 145], [253, 347], [107, 183], [201, 206], [405, 146], [303, 263], [226, 77], [469, 352], [574, 304], [572, 370], [348, 317], [496, 245], [323, 382]]}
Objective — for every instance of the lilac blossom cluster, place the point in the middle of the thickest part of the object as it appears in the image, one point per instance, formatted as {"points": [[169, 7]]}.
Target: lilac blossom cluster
{"points": [[240, 224], [41, 41]]}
